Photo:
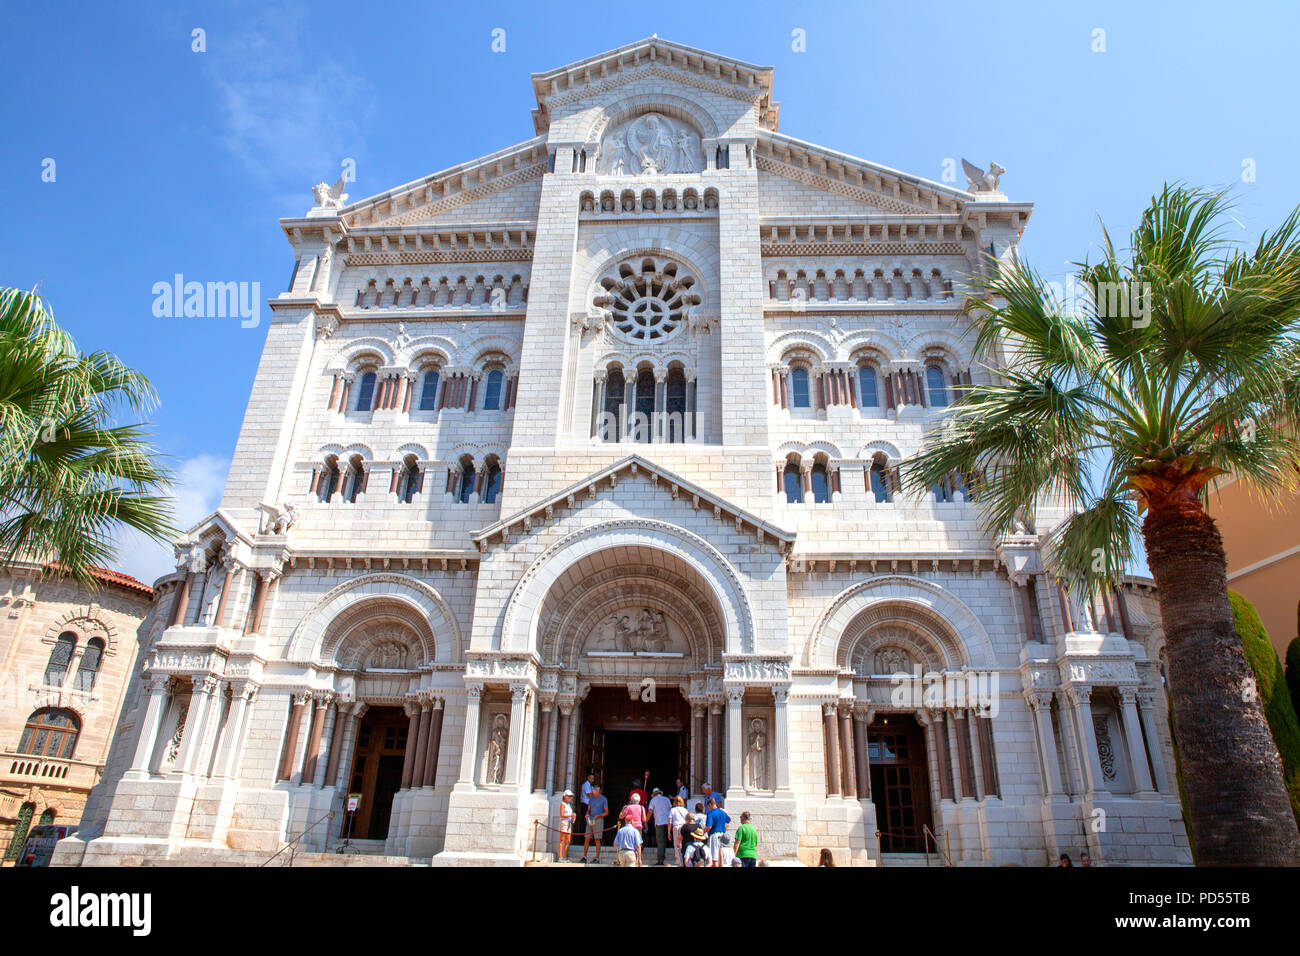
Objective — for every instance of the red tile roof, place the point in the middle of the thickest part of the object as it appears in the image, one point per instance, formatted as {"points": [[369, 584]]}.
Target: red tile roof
{"points": [[109, 576]]}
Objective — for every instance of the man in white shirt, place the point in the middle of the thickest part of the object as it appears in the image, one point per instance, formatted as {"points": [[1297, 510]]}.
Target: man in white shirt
{"points": [[660, 812]]}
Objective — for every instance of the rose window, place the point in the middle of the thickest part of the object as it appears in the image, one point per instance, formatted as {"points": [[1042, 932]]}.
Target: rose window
{"points": [[648, 300]]}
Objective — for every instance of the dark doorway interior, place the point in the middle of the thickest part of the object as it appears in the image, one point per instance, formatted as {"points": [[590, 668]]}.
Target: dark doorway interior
{"points": [[899, 784], [622, 736], [376, 771]]}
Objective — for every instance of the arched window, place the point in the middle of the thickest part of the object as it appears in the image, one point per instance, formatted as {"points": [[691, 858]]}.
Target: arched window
{"points": [[868, 393], [88, 669], [821, 483], [21, 826], [356, 480], [57, 668], [935, 386], [409, 481], [366, 392], [645, 404], [330, 480], [615, 397], [466, 481], [429, 391], [492, 483], [879, 480], [800, 396], [492, 391], [675, 430], [50, 732], [790, 481]]}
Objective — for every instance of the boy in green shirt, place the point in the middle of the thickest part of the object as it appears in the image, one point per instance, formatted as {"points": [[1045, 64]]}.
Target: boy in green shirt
{"points": [[746, 842]]}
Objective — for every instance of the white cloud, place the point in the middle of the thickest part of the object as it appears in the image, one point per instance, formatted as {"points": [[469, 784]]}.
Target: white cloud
{"points": [[284, 115], [199, 483]]}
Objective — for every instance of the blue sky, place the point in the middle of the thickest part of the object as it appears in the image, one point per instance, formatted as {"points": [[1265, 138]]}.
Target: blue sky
{"points": [[172, 161]]}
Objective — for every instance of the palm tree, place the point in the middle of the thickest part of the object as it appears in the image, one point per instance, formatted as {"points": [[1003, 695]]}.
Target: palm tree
{"points": [[1182, 365], [70, 475]]}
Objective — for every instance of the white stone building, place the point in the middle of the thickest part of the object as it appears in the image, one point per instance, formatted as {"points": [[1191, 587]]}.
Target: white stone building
{"points": [[453, 570]]}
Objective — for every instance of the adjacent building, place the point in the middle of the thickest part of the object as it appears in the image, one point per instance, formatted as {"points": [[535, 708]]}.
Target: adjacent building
{"points": [[581, 457], [66, 655]]}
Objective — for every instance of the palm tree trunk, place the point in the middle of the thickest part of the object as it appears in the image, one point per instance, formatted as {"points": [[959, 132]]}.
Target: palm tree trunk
{"points": [[1240, 814]]}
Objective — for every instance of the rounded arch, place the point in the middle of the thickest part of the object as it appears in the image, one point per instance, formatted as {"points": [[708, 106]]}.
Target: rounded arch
{"points": [[899, 597], [800, 340], [520, 629], [377, 596], [365, 350], [604, 254], [674, 107]]}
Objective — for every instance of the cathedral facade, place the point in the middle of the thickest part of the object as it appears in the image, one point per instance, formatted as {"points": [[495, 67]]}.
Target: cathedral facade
{"points": [[581, 457]]}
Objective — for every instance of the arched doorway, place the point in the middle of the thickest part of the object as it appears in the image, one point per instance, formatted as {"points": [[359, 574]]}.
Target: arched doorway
{"points": [[376, 771], [899, 782]]}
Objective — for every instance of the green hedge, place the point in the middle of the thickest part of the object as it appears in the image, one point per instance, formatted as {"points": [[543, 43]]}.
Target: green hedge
{"points": [[1293, 671], [1274, 693]]}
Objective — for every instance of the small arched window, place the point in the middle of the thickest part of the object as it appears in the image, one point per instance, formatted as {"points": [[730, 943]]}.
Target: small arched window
{"points": [[409, 481], [492, 391], [88, 669], [50, 732], [821, 483], [356, 481], [466, 482], [868, 392], [645, 405], [790, 481], [330, 480], [936, 386], [57, 668], [366, 392], [21, 826], [675, 396], [492, 484], [800, 395], [429, 391], [615, 397], [879, 480]]}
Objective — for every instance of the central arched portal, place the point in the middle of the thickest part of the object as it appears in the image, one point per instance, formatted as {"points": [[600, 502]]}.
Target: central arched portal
{"points": [[638, 634]]}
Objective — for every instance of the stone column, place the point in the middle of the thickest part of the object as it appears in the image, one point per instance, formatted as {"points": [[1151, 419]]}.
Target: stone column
{"points": [[735, 737], [416, 746], [561, 776], [861, 719], [1026, 610], [232, 735], [976, 754], [541, 766], [182, 601], [830, 729], [187, 760], [716, 746], [291, 736], [781, 738], [267, 582], [1041, 702], [848, 767], [227, 583], [1082, 698], [333, 723], [1133, 736], [933, 723], [434, 746], [151, 723], [1146, 715], [954, 758], [355, 712], [343, 722], [312, 756], [699, 746], [519, 696], [412, 732]]}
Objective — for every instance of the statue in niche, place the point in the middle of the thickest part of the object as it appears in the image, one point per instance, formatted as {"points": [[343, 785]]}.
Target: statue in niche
{"points": [[756, 758], [494, 761], [892, 660]]}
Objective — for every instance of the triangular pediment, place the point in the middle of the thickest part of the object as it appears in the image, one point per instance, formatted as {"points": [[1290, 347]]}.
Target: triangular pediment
{"points": [[661, 59], [633, 467]]}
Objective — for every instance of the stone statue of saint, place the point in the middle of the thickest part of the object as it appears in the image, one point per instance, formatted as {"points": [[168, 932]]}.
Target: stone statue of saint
{"points": [[756, 758], [495, 761]]}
